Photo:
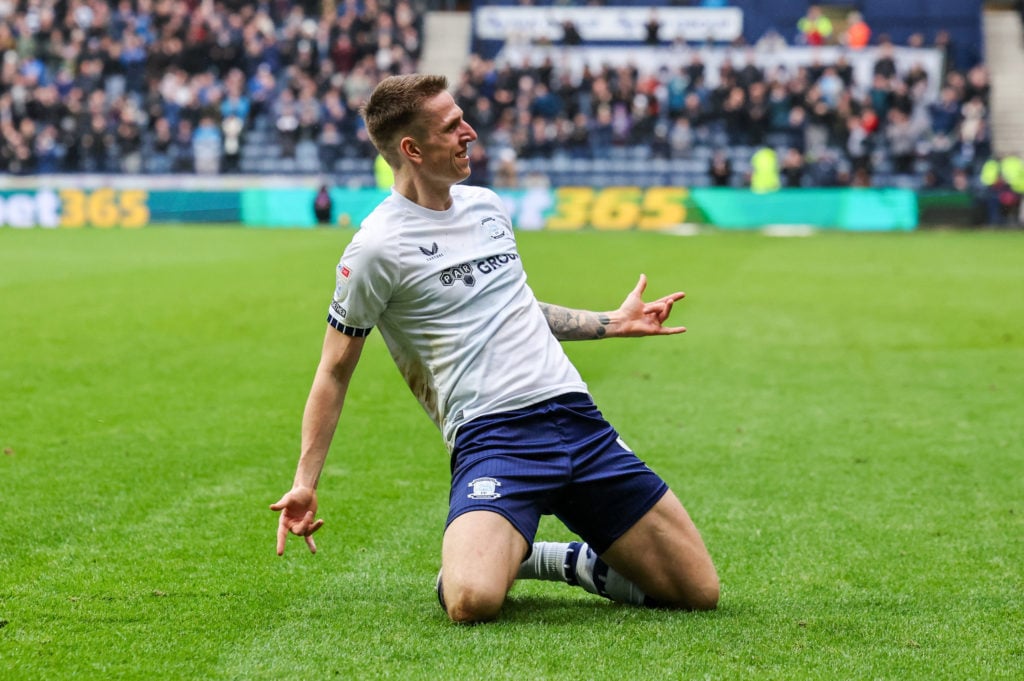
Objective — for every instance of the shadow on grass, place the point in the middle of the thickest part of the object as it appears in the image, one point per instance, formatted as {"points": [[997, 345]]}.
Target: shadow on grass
{"points": [[571, 610]]}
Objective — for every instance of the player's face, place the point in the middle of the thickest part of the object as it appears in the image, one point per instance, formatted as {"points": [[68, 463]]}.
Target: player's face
{"points": [[446, 149]]}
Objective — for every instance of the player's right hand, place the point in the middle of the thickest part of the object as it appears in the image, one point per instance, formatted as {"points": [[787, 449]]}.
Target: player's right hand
{"points": [[298, 516]]}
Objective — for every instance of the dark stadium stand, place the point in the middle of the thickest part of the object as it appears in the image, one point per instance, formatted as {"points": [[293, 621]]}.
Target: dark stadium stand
{"points": [[182, 86]]}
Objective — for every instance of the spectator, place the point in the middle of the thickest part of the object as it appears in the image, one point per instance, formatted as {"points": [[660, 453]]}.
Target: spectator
{"points": [[545, 104], [601, 132], [48, 151], [824, 169], [129, 142], [858, 148], [207, 147], [286, 121], [680, 138], [758, 113], [792, 168], [236, 102], [977, 85], [944, 43], [814, 28], [764, 171], [857, 34], [232, 128], [902, 136], [329, 145], [479, 161], [796, 128], [885, 63], [570, 34], [183, 157], [831, 86], [160, 156], [506, 175], [652, 29], [945, 112], [1003, 179], [974, 139], [770, 42], [779, 106], [322, 205], [735, 116], [720, 170], [383, 175]]}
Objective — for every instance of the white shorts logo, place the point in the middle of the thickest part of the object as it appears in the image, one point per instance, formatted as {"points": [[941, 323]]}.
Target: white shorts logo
{"points": [[484, 488]]}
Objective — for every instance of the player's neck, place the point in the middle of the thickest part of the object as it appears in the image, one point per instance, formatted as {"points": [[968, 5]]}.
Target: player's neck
{"points": [[434, 197]]}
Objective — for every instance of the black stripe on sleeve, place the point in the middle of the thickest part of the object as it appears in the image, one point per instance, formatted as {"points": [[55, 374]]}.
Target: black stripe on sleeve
{"points": [[348, 330]]}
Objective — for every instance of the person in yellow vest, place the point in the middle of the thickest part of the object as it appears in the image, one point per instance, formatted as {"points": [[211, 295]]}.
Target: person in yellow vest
{"points": [[383, 174], [815, 28], [1012, 168], [764, 171], [1003, 179]]}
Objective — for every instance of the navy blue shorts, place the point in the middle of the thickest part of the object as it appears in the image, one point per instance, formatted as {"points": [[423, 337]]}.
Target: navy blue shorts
{"points": [[557, 457]]}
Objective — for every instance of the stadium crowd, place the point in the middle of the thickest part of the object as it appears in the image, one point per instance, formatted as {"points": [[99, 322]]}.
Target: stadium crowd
{"points": [[160, 86], [174, 85], [837, 131]]}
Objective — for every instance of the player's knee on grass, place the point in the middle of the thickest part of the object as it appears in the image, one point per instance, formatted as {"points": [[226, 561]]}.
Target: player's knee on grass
{"points": [[468, 602], [686, 582], [704, 596], [692, 592]]}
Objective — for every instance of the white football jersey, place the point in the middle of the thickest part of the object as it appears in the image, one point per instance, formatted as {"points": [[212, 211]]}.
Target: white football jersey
{"points": [[448, 292]]}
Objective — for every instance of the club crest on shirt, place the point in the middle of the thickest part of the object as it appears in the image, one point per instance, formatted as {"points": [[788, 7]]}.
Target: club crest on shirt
{"points": [[493, 227], [484, 488]]}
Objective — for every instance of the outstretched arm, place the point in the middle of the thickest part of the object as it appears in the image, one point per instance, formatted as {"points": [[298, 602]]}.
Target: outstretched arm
{"points": [[633, 318], [319, 421]]}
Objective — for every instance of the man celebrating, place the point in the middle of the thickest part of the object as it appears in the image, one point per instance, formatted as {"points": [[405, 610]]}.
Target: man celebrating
{"points": [[435, 268]]}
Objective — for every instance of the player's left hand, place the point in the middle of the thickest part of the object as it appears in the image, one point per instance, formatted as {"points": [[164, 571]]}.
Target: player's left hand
{"points": [[638, 318], [298, 516]]}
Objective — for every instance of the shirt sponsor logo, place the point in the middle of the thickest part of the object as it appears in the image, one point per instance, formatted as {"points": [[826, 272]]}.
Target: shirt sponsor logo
{"points": [[432, 253], [494, 262], [463, 273], [339, 309]]}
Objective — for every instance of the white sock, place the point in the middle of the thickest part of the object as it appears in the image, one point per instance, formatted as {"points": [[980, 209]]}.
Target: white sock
{"points": [[547, 562], [577, 564]]}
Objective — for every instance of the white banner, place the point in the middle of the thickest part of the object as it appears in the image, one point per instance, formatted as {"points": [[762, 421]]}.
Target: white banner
{"points": [[625, 24]]}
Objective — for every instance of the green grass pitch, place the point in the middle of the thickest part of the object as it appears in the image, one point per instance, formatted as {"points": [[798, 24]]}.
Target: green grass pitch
{"points": [[843, 419]]}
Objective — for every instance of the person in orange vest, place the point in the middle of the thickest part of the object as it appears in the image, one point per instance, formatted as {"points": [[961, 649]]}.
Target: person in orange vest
{"points": [[858, 33]]}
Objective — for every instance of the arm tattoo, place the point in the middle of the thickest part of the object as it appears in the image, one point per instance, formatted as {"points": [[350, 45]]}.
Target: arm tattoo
{"points": [[569, 324]]}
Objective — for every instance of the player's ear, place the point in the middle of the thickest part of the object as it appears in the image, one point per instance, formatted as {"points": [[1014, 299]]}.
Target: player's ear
{"points": [[410, 148]]}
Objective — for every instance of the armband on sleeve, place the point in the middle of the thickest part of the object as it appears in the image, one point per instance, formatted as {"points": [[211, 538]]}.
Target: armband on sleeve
{"points": [[348, 330]]}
